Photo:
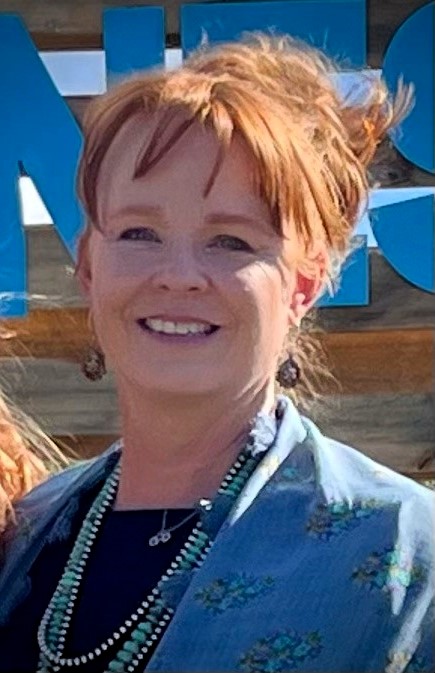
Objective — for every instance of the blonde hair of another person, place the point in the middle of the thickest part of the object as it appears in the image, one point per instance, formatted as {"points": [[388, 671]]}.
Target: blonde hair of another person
{"points": [[27, 457]]}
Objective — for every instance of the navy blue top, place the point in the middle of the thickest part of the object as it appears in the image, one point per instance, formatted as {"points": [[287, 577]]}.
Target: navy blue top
{"points": [[122, 570]]}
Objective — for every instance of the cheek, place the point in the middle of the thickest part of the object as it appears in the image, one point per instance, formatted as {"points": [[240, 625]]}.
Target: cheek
{"points": [[265, 298], [118, 273]]}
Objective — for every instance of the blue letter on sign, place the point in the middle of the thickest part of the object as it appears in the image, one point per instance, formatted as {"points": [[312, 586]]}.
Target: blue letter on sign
{"points": [[37, 129], [405, 233], [337, 27], [411, 55], [134, 39]]}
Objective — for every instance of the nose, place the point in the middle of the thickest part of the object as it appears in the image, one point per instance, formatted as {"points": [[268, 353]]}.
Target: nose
{"points": [[180, 271]]}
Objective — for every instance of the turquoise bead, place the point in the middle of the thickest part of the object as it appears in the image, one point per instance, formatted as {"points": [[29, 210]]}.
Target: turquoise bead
{"points": [[70, 573], [138, 636], [244, 474], [189, 558], [131, 646], [62, 600], [155, 610]]}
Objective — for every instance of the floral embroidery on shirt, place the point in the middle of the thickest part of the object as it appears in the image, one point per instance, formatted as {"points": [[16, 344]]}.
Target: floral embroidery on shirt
{"points": [[287, 478], [336, 517], [390, 570], [233, 591], [281, 652]]}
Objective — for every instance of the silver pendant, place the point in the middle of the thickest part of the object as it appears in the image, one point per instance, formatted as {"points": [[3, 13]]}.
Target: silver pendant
{"points": [[162, 536]]}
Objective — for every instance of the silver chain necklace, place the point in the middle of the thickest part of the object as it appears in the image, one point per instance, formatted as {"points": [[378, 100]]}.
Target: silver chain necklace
{"points": [[164, 534]]}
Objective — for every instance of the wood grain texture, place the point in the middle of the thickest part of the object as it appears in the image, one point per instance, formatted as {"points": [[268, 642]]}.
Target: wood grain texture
{"points": [[394, 303], [398, 430], [77, 25], [57, 395], [84, 446], [50, 270], [376, 362], [46, 333]]}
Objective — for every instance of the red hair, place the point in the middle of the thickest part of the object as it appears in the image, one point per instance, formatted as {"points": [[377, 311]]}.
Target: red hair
{"points": [[311, 148]]}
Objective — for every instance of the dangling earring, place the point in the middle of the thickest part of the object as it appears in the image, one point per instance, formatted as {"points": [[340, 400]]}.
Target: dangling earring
{"points": [[289, 373], [94, 363]]}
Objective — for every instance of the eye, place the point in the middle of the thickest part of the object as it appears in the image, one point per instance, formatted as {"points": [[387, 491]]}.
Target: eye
{"points": [[139, 234], [231, 243]]}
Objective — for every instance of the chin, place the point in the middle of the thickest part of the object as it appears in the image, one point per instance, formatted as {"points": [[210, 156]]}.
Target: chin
{"points": [[186, 382]]}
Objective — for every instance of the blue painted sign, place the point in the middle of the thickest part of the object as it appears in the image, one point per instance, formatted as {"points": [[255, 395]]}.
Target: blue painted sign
{"points": [[38, 131], [336, 26]]}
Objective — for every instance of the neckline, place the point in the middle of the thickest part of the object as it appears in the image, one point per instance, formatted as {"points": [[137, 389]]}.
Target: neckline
{"points": [[150, 511]]}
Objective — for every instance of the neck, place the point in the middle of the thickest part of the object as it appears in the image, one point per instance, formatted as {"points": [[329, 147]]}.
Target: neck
{"points": [[177, 451]]}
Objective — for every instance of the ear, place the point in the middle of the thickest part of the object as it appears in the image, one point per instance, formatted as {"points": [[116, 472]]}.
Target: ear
{"points": [[83, 265], [311, 276]]}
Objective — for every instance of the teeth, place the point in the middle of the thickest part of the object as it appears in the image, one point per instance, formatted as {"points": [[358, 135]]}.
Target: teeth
{"points": [[167, 327]]}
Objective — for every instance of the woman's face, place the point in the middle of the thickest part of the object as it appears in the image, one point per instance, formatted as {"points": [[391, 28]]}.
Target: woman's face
{"points": [[188, 293]]}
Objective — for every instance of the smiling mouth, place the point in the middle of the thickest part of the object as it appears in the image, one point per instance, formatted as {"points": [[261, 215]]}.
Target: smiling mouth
{"points": [[177, 328]]}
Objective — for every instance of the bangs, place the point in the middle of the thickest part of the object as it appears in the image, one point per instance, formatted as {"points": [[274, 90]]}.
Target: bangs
{"points": [[220, 104], [310, 148]]}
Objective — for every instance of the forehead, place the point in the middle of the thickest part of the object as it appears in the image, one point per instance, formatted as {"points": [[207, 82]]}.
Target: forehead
{"points": [[181, 174]]}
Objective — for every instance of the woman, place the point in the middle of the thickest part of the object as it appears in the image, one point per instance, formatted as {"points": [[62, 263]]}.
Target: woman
{"points": [[224, 532]]}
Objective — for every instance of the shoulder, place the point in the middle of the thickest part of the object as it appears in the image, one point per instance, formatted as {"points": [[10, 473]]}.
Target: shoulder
{"points": [[363, 473], [45, 514], [345, 474], [355, 473], [38, 511]]}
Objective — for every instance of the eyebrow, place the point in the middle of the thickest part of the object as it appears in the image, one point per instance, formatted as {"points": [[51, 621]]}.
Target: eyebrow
{"points": [[236, 218], [218, 218], [153, 212]]}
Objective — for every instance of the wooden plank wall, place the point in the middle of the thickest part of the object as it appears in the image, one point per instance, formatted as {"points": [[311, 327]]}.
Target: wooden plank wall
{"points": [[382, 355]]}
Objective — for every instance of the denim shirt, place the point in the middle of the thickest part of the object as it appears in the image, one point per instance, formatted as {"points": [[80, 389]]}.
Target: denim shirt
{"points": [[325, 563]]}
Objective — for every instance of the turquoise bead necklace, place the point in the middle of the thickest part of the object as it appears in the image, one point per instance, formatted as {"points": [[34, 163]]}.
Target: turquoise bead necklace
{"points": [[148, 622]]}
